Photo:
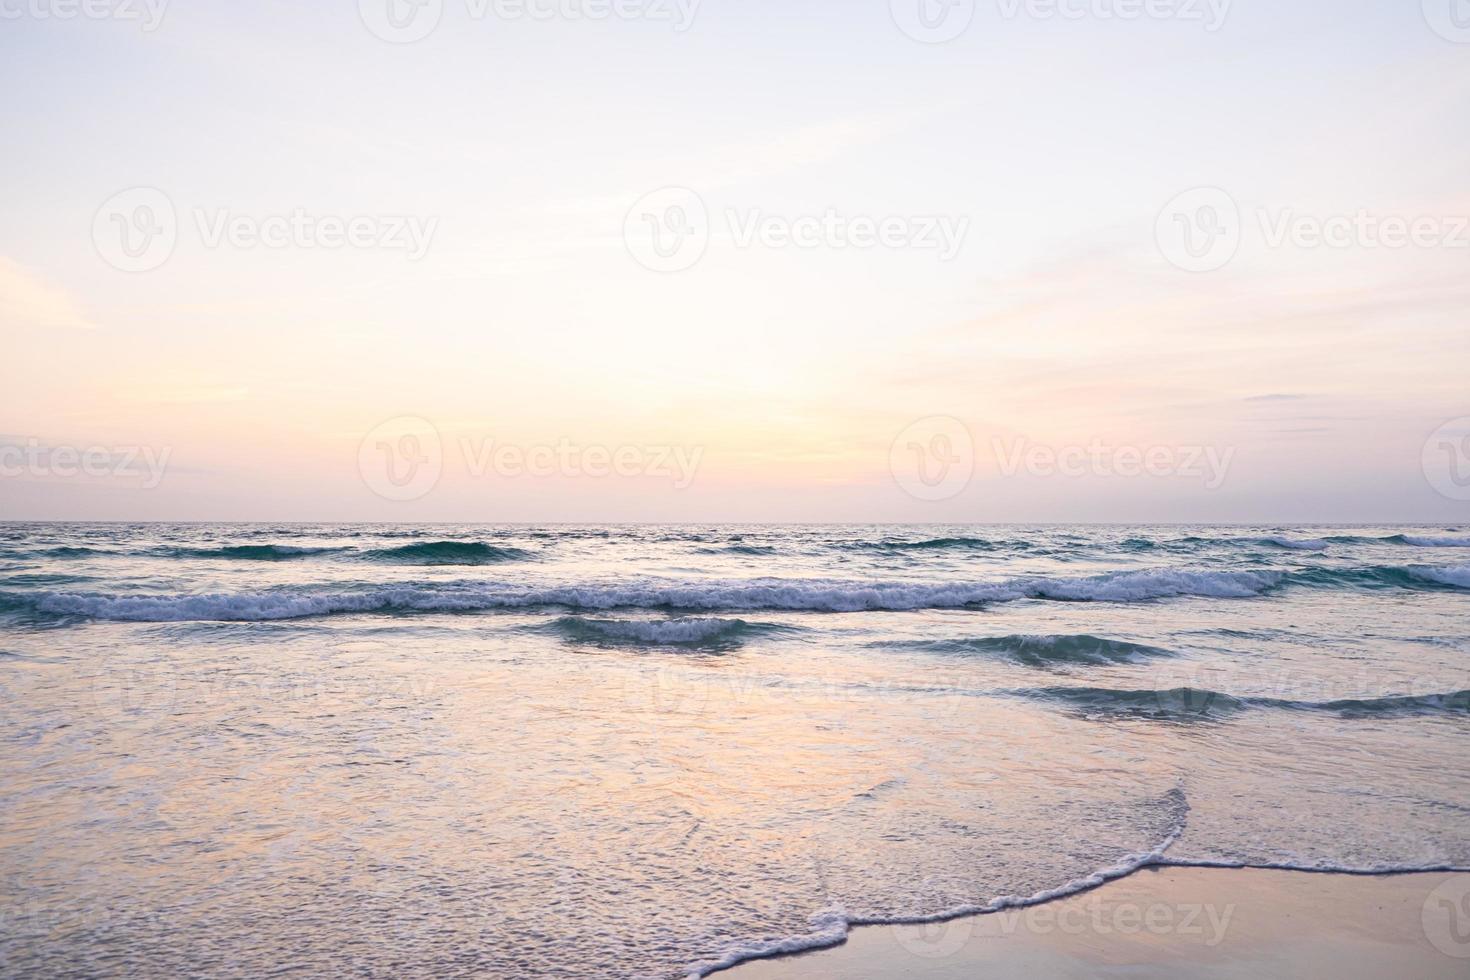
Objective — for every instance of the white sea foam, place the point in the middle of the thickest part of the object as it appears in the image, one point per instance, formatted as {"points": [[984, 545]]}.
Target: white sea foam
{"points": [[821, 596], [1456, 575], [830, 927], [1436, 542]]}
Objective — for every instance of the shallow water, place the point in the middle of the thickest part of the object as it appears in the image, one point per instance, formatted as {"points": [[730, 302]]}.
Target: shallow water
{"points": [[650, 751]]}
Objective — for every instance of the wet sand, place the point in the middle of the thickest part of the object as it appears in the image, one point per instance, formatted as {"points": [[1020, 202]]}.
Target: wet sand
{"points": [[1177, 922]]}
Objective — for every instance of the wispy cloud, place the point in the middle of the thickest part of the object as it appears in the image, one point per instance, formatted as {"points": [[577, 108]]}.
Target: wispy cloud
{"points": [[26, 301]]}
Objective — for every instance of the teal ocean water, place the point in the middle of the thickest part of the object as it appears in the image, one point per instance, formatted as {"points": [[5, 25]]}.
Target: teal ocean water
{"points": [[655, 751]]}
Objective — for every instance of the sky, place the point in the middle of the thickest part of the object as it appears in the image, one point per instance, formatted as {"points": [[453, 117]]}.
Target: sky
{"points": [[668, 260]]}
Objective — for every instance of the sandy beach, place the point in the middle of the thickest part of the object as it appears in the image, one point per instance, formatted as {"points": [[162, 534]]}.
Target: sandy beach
{"points": [[1177, 922]]}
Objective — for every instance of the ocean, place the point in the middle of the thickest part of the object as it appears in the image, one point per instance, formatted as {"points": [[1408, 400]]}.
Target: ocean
{"points": [[656, 751]]}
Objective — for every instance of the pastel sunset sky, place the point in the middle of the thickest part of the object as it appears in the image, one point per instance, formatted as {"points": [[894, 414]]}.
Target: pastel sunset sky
{"points": [[500, 172]]}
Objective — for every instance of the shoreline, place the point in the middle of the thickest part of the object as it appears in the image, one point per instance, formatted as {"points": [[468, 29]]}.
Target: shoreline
{"points": [[1169, 920]]}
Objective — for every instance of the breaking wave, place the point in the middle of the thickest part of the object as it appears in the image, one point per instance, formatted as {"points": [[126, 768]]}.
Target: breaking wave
{"points": [[783, 594], [817, 596]]}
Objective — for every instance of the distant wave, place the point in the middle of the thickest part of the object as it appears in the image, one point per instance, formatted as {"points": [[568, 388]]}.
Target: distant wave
{"points": [[69, 551], [1261, 541], [1411, 540], [1387, 576], [1418, 541], [447, 553], [701, 633], [1186, 703], [739, 549], [1041, 651], [932, 544], [417, 553], [249, 552]]}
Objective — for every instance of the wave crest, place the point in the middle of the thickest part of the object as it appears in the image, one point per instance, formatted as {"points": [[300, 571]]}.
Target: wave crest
{"points": [[447, 553]]}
